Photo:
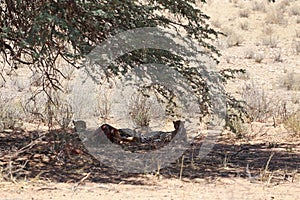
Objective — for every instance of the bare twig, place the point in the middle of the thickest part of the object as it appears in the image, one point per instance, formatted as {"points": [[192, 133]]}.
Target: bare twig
{"points": [[81, 181]]}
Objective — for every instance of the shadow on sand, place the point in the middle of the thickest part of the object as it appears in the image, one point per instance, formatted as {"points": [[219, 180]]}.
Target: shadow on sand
{"points": [[59, 156]]}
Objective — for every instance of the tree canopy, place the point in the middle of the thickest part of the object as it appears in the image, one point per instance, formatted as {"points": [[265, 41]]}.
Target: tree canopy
{"points": [[39, 32]]}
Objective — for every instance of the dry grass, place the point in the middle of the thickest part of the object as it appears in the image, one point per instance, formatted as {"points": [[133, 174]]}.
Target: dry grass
{"points": [[259, 6], [294, 10], [292, 123], [277, 56], [259, 57], [296, 45], [271, 41], [261, 106], [244, 13], [275, 16], [140, 110], [297, 33], [11, 114], [291, 81], [249, 54], [234, 39], [244, 25], [267, 29], [104, 104]]}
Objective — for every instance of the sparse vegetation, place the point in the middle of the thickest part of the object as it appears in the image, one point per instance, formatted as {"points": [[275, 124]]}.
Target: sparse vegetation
{"points": [[11, 115], [244, 26], [261, 106], [295, 10], [258, 57], [237, 126], [234, 39], [275, 16], [277, 56], [244, 13], [264, 137], [271, 41], [297, 33], [291, 81], [297, 47], [292, 123], [267, 29], [140, 110], [104, 104], [249, 54], [258, 6]]}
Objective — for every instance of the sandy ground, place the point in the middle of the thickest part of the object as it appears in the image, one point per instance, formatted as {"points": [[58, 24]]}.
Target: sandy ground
{"points": [[233, 188], [252, 32]]}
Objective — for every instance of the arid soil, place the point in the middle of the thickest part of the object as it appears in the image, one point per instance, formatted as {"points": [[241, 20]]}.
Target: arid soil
{"points": [[263, 163], [221, 189]]}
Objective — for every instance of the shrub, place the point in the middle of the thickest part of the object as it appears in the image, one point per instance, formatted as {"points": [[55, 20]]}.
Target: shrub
{"points": [[140, 110], [11, 114], [259, 57], [234, 39], [259, 6], [261, 106], [275, 16], [271, 41], [294, 10], [292, 123], [244, 13], [277, 56], [291, 81], [297, 47], [244, 26], [104, 104], [236, 125], [249, 54]]}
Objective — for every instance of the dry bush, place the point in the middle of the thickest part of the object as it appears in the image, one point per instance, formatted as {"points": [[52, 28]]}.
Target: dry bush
{"points": [[34, 107], [294, 10], [267, 30], [271, 41], [298, 20], [292, 123], [58, 110], [104, 103], [258, 57], [261, 106], [277, 56], [140, 110], [11, 115], [234, 1], [296, 47], [275, 16], [297, 33], [63, 114], [291, 81], [238, 127], [249, 54], [11, 112], [244, 13], [234, 39], [259, 6], [244, 26], [283, 4]]}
